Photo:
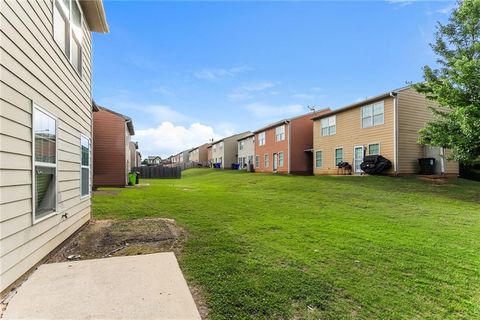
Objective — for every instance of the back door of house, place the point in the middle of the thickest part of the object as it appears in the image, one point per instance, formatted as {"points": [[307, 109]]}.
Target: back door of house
{"points": [[357, 158], [275, 161]]}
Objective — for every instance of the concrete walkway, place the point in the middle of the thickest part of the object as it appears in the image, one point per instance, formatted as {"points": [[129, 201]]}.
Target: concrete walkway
{"points": [[133, 287]]}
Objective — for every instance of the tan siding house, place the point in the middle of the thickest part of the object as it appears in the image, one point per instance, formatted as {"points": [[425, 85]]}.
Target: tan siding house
{"points": [[45, 127], [387, 124]]}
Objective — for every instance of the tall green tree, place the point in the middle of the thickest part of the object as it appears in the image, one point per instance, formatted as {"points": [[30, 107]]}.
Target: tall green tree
{"points": [[455, 84]]}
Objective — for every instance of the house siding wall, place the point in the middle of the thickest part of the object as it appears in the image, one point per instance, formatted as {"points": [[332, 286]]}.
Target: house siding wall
{"points": [[109, 149], [270, 147], [199, 154], [301, 139], [34, 69], [413, 114], [349, 133], [209, 155], [248, 149]]}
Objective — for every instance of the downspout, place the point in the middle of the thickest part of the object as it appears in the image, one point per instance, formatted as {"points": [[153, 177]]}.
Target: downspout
{"points": [[289, 142], [442, 161], [395, 131]]}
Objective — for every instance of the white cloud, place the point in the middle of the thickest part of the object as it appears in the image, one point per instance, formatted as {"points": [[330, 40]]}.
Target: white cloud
{"points": [[167, 138], [163, 91], [266, 111], [245, 91], [446, 10], [400, 3], [217, 73], [161, 113]]}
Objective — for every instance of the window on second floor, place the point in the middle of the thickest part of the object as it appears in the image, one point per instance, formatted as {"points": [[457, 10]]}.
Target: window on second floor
{"points": [[261, 138], [280, 133], [329, 126], [373, 115], [241, 144], [67, 30]]}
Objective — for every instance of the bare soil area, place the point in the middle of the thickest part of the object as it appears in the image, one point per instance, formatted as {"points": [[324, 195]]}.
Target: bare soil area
{"points": [[106, 238], [109, 238]]}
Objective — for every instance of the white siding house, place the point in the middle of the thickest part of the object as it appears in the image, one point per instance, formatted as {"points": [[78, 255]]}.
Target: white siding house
{"points": [[246, 151], [225, 151], [45, 126]]}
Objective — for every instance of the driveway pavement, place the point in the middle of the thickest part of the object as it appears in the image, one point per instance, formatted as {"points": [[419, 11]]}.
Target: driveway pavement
{"points": [[132, 287]]}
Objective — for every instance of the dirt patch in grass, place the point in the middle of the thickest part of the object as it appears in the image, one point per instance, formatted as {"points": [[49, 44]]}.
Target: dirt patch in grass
{"points": [[110, 238], [106, 192], [106, 238]]}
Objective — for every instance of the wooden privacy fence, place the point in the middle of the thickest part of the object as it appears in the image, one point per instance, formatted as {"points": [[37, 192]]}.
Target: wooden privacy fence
{"points": [[159, 172]]}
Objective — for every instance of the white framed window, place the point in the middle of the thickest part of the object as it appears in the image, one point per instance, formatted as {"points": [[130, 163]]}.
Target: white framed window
{"points": [[85, 156], [374, 149], [338, 156], [241, 144], [261, 138], [373, 115], [280, 133], [318, 158], [44, 164], [257, 161], [280, 159], [67, 30], [328, 126], [265, 161]]}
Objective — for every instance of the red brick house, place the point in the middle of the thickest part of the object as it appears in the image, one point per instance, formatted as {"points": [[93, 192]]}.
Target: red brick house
{"points": [[285, 146], [112, 133]]}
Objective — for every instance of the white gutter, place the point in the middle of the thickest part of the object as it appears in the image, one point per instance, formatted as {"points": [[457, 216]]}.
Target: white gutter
{"points": [[395, 131], [442, 160]]}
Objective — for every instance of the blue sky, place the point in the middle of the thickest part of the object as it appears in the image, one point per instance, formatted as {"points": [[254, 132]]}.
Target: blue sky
{"points": [[190, 71]]}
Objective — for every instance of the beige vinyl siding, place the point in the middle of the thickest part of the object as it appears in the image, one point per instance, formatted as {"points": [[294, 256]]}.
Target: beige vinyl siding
{"points": [[413, 114], [349, 133], [34, 69]]}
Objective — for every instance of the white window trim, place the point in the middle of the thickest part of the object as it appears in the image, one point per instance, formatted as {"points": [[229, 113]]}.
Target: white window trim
{"points": [[328, 126], [266, 164], [70, 34], [260, 139], [335, 155], [89, 167], [371, 106], [281, 135], [368, 148], [315, 158], [35, 106]]}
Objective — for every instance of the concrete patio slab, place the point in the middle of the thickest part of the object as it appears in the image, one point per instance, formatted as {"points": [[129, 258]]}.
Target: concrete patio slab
{"points": [[132, 287]]}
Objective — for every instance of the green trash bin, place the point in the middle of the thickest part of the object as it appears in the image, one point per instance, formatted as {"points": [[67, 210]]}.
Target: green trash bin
{"points": [[132, 178]]}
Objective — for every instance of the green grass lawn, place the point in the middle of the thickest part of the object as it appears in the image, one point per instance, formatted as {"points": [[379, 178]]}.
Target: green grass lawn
{"points": [[289, 247]]}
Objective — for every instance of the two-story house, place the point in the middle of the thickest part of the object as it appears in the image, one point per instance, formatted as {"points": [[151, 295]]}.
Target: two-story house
{"points": [[199, 154], [45, 127], [246, 151], [285, 146], [112, 152], [224, 151], [386, 125]]}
